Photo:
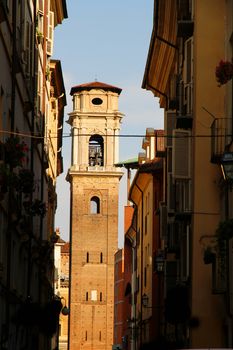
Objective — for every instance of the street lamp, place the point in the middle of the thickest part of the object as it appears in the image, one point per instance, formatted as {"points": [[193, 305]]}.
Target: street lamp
{"points": [[145, 300], [65, 310], [227, 166]]}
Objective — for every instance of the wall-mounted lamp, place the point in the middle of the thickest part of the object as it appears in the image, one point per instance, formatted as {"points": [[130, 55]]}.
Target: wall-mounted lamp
{"points": [[159, 261], [227, 166], [65, 310], [145, 300]]}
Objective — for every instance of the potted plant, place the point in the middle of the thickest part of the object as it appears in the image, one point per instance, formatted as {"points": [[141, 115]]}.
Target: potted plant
{"points": [[40, 36], [209, 255], [25, 181], [3, 181], [15, 151], [35, 207], [224, 72], [225, 230], [47, 73]]}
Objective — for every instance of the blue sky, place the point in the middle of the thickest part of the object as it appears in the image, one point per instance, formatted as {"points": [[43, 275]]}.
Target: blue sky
{"points": [[108, 41]]}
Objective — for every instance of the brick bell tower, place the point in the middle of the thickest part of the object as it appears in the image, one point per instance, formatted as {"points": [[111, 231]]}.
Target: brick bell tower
{"points": [[94, 185]]}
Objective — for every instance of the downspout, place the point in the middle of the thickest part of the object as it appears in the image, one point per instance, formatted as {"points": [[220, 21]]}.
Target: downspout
{"points": [[12, 125], [141, 282], [133, 245], [33, 83], [70, 255]]}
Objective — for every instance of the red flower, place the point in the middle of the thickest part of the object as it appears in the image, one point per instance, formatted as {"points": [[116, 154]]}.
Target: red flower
{"points": [[224, 72]]}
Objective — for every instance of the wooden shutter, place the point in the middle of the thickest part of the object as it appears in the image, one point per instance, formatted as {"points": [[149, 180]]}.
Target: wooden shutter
{"points": [[163, 220], [50, 29], [170, 124], [181, 147]]}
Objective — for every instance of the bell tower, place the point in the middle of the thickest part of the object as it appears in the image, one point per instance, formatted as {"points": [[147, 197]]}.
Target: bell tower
{"points": [[94, 185]]}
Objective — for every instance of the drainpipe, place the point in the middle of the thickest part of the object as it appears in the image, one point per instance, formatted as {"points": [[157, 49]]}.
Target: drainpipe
{"points": [[70, 257], [141, 282], [9, 224]]}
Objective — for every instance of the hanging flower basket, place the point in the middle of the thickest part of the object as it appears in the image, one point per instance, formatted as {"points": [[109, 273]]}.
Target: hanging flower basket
{"points": [[50, 317], [36, 207], [7, 179], [224, 72], [25, 181], [209, 256], [225, 230], [15, 151], [3, 181]]}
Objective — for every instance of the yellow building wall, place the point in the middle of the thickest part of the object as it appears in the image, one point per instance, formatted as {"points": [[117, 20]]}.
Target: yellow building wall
{"points": [[208, 48]]}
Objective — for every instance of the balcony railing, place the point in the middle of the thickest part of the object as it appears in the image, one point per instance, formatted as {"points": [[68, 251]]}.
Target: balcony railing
{"points": [[221, 135]]}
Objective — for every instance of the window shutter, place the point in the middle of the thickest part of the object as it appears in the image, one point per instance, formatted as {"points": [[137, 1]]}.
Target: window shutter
{"points": [[41, 6], [26, 47], [170, 124], [163, 220], [181, 153], [50, 29], [188, 74], [188, 57], [171, 273], [170, 193]]}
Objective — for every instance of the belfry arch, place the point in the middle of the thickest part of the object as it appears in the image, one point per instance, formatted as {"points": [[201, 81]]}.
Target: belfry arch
{"points": [[96, 150]]}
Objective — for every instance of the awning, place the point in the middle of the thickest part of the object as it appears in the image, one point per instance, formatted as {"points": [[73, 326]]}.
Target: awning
{"points": [[162, 49]]}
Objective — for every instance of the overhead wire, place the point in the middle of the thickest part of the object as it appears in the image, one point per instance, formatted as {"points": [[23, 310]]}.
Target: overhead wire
{"points": [[67, 135]]}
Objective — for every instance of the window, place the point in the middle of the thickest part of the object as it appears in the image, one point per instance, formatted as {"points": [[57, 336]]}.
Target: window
{"points": [[99, 335], [86, 335], [86, 296], [94, 295], [95, 205], [101, 296], [87, 257], [97, 101], [145, 276], [101, 258], [96, 150]]}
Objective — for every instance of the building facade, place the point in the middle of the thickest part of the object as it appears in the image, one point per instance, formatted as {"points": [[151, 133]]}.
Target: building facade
{"points": [[189, 39], [28, 172], [123, 281], [146, 193], [118, 298], [94, 182], [61, 288]]}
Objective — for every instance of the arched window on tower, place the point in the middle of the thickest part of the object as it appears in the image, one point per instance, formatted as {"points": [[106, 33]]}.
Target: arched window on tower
{"points": [[95, 205], [96, 150]]}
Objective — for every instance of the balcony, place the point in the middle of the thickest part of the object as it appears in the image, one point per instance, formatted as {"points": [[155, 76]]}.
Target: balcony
{"points": [[221, 130]]}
